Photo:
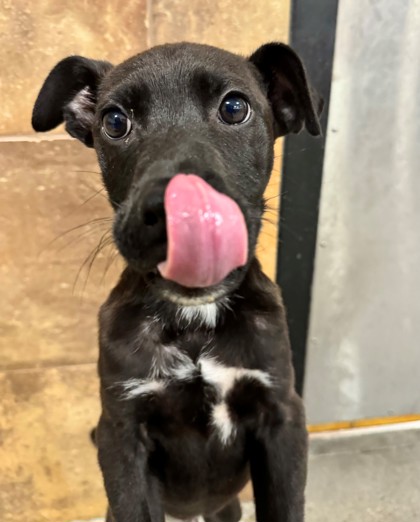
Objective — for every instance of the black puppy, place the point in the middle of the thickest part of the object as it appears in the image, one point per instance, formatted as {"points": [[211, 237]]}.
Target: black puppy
{"points": [[197, 385]]}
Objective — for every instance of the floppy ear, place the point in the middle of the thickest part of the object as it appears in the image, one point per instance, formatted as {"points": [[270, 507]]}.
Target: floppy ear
{"points": [[294, 102], [69, 95]]}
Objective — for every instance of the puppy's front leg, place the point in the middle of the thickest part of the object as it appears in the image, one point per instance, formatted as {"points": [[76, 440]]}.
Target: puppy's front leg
{"points": [[132, 492], [278, 460]]}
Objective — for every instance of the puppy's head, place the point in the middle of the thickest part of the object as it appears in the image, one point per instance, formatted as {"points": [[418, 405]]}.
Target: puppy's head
{"points": [[184, 135]]}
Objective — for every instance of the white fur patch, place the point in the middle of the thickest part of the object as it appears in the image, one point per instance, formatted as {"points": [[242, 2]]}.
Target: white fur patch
{"points": [[83, 107], [171, 363], [224, 378], [261, 323], [223, 423], [137, 387], [168, 364], [205, 314]]}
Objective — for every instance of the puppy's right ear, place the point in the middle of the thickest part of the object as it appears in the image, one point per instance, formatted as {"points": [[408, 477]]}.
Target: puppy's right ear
{"points": [[69, 94], [294, 102]]}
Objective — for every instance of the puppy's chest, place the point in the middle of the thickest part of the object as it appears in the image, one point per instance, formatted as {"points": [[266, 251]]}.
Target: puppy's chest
{"points": [[205, 395]]}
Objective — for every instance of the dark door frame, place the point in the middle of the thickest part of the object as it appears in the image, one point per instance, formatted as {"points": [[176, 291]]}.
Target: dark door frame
{"points": [[312, 35]]}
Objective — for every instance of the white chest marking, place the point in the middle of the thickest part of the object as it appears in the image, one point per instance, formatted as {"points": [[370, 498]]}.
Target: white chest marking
{"points": [[224, 378], [137, 387], [170, 364], [205, 314]]}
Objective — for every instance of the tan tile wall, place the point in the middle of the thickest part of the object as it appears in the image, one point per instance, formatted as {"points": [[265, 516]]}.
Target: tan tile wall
{"points": [[240, 26], [50, 185], [48, 470], [47, 316], [36, 34]]}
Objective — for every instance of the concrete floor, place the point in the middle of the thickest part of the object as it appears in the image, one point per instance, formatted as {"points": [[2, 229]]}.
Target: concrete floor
{"points": [[362, 475], [365, 475]]}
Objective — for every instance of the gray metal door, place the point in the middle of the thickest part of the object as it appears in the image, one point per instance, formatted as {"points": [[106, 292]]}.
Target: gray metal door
{"points": [[363, 355]]}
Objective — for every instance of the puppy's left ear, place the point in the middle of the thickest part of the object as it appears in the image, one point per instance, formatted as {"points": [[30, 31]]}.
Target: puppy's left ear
{"points": [[69, 94], [294, 102]]}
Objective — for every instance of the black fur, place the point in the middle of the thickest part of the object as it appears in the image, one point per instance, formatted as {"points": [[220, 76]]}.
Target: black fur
{"points": [[159, 452]]}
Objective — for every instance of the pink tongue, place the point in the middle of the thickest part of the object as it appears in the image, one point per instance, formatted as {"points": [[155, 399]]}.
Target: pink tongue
{"points": [[207, 234]]}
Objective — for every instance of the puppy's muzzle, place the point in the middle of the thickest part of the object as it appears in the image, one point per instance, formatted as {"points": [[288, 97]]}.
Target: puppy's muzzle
{"points": [[140, 226], [192, 233]]}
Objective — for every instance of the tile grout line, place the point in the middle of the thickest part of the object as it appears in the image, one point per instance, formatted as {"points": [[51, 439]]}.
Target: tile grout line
{"points": [[52, 366], [148, 22], [35, 138]]}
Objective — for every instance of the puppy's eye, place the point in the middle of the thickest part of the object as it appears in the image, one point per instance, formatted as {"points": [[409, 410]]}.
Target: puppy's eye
{"points": [[234, 109], [115, 124]]}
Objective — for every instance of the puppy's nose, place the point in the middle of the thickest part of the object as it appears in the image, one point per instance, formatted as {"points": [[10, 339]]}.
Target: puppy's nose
{"points": [[153, 214]]}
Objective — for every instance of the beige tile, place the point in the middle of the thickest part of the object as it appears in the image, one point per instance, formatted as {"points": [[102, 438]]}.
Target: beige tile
{"points": [[247, 494], [44, 191], [48, 466], [236, 26], [34, 36]]}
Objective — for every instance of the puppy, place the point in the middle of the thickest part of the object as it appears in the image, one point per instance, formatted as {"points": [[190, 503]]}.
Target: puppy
{"points": [[197, 384]]}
